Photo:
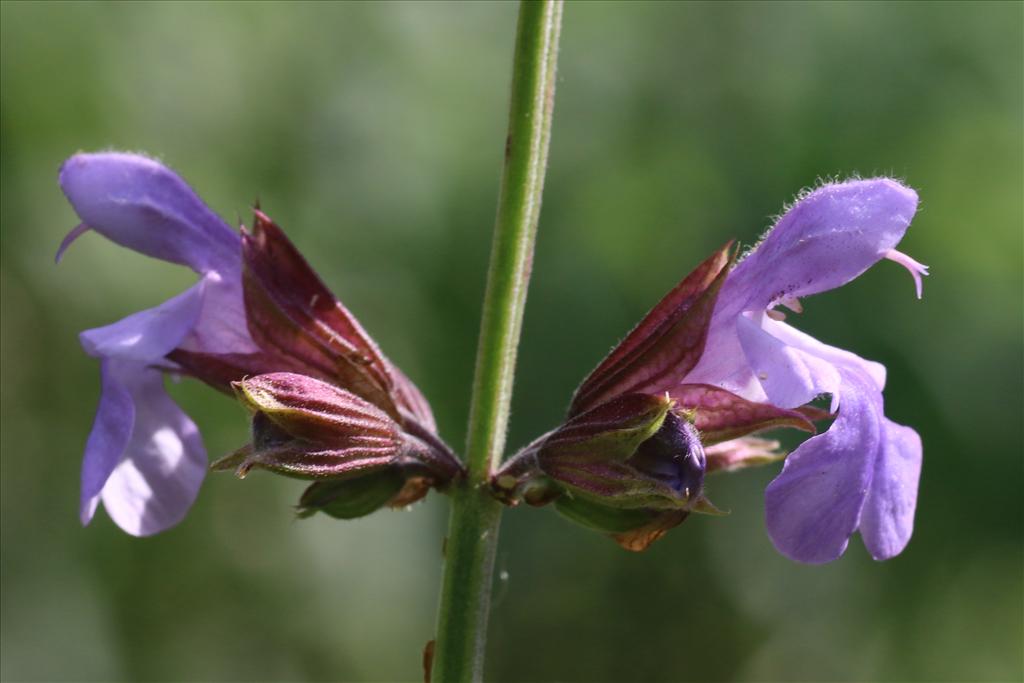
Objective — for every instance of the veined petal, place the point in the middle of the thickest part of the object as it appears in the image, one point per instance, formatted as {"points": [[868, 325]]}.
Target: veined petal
{"points": [[141, 204], [825, 240], [148, 336], [111, 432], [164, 462], [815, 504], [888, 518]]}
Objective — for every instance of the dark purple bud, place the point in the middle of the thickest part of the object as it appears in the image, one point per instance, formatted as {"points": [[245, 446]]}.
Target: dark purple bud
{"points": [[674, 455], [633, 452]]}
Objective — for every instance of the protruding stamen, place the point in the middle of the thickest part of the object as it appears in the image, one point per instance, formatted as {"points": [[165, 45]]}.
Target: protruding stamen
{"points": [[75, 233], [775, 315], [916, 269]]}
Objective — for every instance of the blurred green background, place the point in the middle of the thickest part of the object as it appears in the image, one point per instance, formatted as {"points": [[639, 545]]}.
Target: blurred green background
{"points": [[373, 133]]}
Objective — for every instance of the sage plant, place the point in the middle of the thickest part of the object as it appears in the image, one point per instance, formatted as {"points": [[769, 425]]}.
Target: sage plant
{"points": [[683, 396]]}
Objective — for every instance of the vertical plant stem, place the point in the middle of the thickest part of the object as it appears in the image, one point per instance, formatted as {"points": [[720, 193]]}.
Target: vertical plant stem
{"points": [[473, 525]]}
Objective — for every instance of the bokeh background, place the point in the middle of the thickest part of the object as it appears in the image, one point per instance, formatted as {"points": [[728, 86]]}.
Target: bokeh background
{"points": [[373, 133]]}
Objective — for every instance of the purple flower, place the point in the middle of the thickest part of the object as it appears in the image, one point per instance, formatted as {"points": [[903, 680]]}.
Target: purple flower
{"points": [[629, 459], [144, 458], [862, 474], [257, 308]]}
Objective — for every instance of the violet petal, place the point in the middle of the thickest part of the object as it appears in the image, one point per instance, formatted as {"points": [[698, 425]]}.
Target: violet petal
{"points": [[815, 503], [141, 204], [147, 336], [111, 431], [221, 327], [842, 358], [790, 377], [164, 462], [825, 240], [888, 517]]}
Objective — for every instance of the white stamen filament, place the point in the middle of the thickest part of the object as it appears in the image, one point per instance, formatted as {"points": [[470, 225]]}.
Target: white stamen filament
{"points": [[916, 269]]}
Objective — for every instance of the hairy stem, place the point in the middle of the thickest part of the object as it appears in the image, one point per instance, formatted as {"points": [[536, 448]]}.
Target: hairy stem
{"points": [[475, 515]]}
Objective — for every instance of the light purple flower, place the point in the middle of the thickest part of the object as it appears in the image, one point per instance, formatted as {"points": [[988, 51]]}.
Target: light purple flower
{"points": [[258, 308], [862, 474], [144, 458]]}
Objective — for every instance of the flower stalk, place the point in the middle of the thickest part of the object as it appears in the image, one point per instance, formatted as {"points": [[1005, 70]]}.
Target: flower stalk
{"points": [[475, 514]]}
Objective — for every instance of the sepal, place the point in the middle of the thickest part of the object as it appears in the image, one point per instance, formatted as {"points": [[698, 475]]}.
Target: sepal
{"points": [[351, 498], [634, 530], [659, 352], [721, 415], [293, 316]]}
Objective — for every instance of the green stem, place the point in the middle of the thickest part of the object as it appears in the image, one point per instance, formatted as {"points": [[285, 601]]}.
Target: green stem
{"points": [[473, 525]]}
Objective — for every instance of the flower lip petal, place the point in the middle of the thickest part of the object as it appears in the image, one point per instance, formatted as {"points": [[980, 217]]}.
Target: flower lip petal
{"points": [[814, 505], [789, 376], [164, 463], [827, 239], [139, 203], [148, 336], [111, 432], [841, 358], [888, 517]]}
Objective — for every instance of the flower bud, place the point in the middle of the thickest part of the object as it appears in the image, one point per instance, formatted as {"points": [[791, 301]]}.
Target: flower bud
{"points": [[633, 452], [632, 468], [306, 428]]}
